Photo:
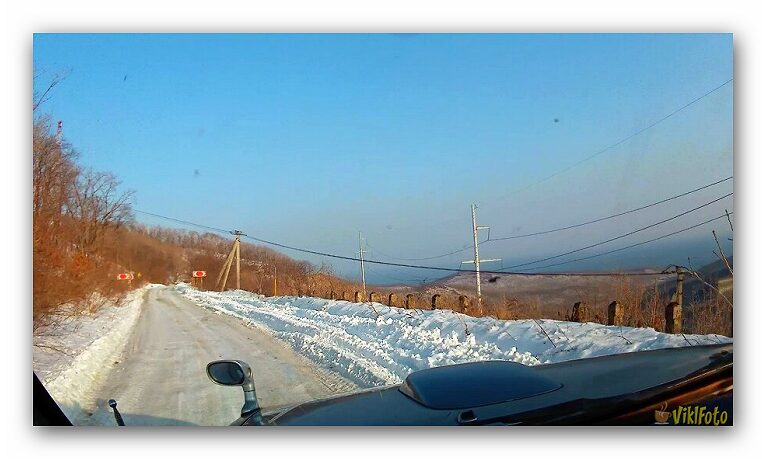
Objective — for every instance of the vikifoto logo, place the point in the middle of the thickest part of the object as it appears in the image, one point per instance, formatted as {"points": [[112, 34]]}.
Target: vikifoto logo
{"points": [[691, 416]]}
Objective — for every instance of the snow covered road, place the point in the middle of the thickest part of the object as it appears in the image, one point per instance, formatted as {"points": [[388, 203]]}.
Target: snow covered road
{"points": [[160, 378]]}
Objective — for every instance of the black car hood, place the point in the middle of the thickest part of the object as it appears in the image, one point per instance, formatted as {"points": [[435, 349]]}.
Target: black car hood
{"points": [[581, 389]]}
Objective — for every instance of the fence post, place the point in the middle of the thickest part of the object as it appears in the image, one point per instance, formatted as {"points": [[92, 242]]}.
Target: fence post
{"points": [[580, 312], [673, 318], [373, 297], [462, 302], [357, 297], [393, 300], [408, 301], [435, 301], [616, 313]]}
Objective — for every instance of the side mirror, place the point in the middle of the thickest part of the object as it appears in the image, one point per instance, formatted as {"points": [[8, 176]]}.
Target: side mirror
{"points": [[237, 373], [228, 372]]}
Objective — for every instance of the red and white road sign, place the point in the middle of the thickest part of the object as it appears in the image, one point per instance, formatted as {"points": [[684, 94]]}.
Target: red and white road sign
{"points": [[199, 273], [125, 276]]}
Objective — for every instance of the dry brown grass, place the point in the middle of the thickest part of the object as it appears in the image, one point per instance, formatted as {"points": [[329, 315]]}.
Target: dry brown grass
{"points": [[711, 315]]}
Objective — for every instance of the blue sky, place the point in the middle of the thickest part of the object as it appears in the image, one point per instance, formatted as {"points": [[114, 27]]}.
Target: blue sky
{"points": [[308, 139]]}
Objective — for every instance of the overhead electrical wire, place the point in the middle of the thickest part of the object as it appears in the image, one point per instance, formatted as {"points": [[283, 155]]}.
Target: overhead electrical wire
{"points": [[621, 141], [633, 245], [424, 258], [435, 268], [563, 228], [419, 280], [183, 222], [609, 217], [622, 235], [588, 158]]}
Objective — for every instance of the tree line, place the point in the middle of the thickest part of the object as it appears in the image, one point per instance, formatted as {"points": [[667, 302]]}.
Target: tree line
{"points": [[84, 233]]}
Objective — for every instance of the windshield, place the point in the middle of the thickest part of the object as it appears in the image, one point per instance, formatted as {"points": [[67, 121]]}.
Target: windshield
{"points": [[341, 211]]}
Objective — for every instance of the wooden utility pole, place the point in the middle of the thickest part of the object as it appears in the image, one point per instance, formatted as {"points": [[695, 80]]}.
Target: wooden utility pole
{"points": [[674, 315], [224, 270], [223, 276], [275, 280]]}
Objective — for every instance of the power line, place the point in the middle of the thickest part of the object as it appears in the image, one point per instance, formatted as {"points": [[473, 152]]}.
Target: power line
{"points": [[620, 236], [184, 222], [578, 225], [419, 259], [598, 153], [633, 245], [564, 228], [420, 280], [439, 268], [401, 265]]}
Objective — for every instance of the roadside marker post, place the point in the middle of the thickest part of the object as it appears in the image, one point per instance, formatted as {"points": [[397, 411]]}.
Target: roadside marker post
{"points": [[126, 277], [198, 277]]}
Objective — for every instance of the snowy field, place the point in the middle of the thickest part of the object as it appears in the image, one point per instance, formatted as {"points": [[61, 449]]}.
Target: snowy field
{"points": [[373, 344]]}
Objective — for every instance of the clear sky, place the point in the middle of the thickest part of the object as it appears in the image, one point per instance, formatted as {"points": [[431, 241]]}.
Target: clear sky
{"points": [[308, 139]]}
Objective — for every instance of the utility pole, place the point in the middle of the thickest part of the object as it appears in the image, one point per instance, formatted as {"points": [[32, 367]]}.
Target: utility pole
{"points": [[236, 241], [680, 275], [275, 280], [224, 274], [476, 260], [361, 262]]}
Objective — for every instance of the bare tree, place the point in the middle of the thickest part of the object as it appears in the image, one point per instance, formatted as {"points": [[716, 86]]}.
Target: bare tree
{"points": [[39, 98], [720, 254], [54, 172], [96, 205]]}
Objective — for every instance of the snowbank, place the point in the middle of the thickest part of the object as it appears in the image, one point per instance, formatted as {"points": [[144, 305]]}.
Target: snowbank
{"points": [[85, 350], [373, 344]]}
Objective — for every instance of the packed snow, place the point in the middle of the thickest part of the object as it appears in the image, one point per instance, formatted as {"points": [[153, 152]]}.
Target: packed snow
{"points": [[373, 344], [73, 360]]}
